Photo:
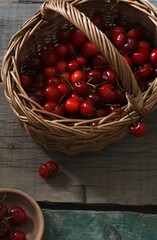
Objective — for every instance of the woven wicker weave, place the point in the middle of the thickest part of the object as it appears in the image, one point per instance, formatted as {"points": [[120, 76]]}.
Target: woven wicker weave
{"points": [[75, 135]]}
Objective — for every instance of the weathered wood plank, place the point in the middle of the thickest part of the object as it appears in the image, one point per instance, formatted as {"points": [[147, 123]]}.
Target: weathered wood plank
{"points": [[12, 16], [123, 173], [99, 225]]}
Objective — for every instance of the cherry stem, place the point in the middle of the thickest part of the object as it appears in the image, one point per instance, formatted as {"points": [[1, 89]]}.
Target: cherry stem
{"points": [[3, 198], [59, 75]]}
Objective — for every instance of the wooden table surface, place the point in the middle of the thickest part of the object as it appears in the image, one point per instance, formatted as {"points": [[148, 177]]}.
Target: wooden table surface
{"points": [[123, 173]]}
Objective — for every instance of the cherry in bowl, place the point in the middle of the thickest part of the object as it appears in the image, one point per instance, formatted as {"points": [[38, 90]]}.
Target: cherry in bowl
{"points": [[26, 220]]}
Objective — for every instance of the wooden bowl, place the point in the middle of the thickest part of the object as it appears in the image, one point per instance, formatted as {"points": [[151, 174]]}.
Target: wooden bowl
{"points": [[34, 225]]}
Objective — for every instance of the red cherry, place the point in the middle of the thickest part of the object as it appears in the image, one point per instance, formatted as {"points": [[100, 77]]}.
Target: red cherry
{"points": [[144, 44], [130, 46], [129, 61], [89, 49], [87, 109], [78, 75], [61, 66], [78, 38], [82, 61], [17, 214], [65, 77], [119, 40], [26, 81], [18, 235], [81, 87], [138, 129], [109, 76], [153, 57], [94, 76], [72, 105], [107, 93], [136, 32], [61, 50], [145, 70], [73, 65], [94, 96], [64, 89], [53, 107], [116, 31], [99, 61], [49, 71], [139, 57], [52, 93], [49, 169]]}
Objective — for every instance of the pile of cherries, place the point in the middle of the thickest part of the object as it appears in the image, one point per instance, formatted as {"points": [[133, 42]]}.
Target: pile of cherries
{"points": [[10, 220], [69, 76]]}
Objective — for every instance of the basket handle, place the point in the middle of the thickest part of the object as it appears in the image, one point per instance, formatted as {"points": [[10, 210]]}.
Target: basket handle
{"points": [[73, 15]]}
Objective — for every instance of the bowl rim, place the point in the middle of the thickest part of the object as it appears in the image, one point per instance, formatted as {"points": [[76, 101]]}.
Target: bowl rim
{"points": [[40, 216]]}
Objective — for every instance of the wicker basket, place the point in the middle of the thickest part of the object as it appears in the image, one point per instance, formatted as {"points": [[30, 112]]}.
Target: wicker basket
{"points": [[75, 135]]}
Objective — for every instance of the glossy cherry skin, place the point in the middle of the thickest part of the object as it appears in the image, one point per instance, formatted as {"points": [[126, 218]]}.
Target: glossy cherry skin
{"points": [[145, 70], [53, 107], [18, 235], [82, 61], [139, 57], [81, 87], [138, 129], [78, 75], [99, 61], [78, 38], [94, 76], [130, 46], [95, 97], [116, 31], [52, 93], [72, 105], [17, 214], [49, 169], [119, 40], [107, 93], [73, 65], [153, 57], [87, 109], [109, 76], [89, 49]]}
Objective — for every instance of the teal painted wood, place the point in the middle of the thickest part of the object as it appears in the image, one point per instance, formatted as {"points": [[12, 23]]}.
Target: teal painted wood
{"points": [[98, 225]]}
